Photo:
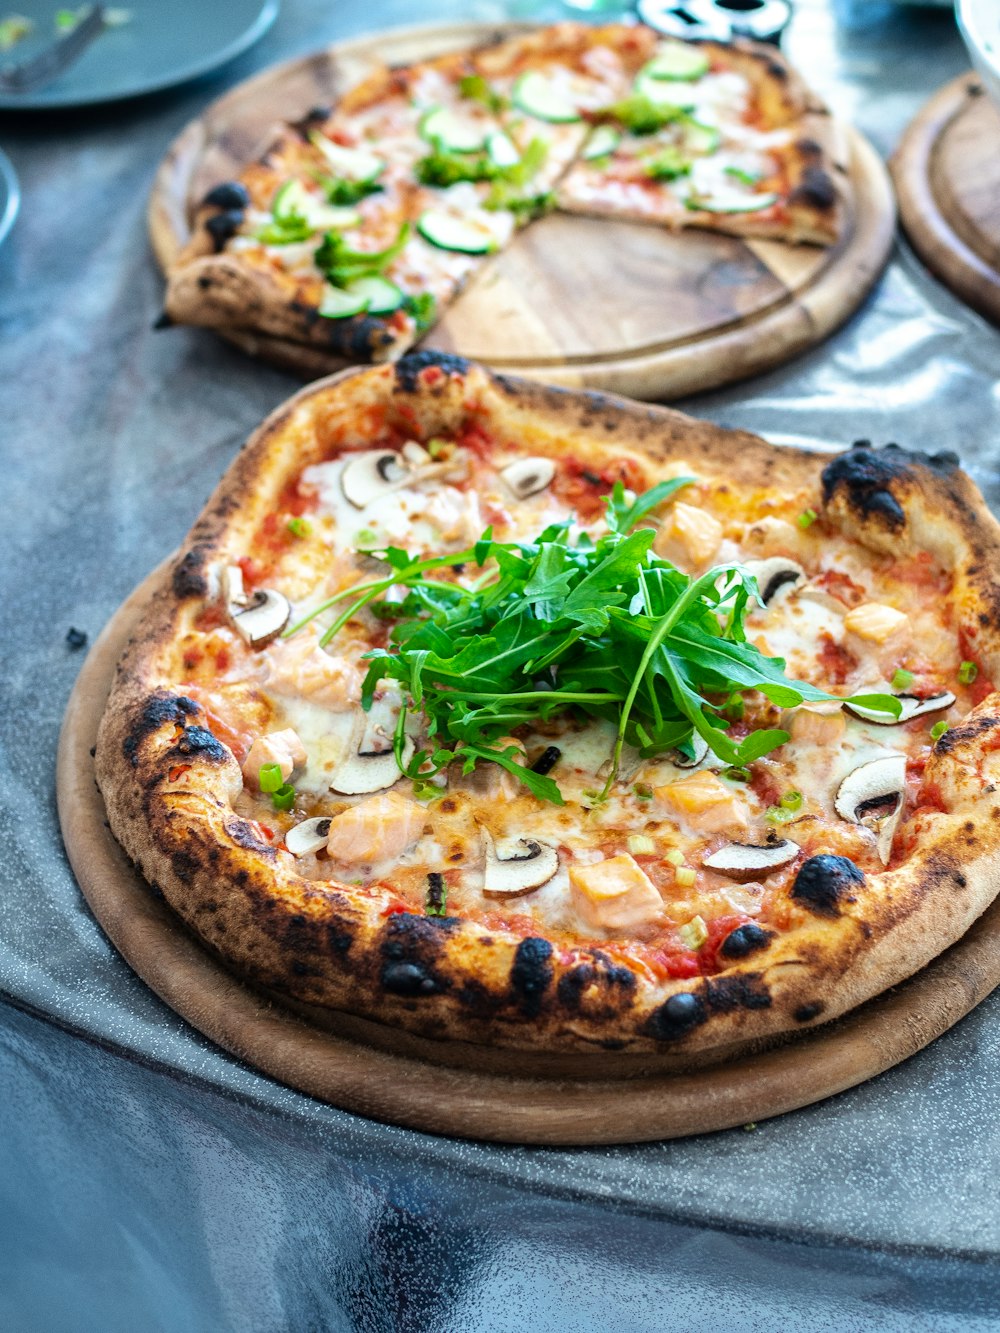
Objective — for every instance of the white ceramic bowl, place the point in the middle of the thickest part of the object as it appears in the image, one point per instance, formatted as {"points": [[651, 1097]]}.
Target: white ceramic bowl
{"points": [[979, 24]]}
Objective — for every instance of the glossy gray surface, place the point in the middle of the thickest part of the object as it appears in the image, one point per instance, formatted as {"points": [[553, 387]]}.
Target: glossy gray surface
{"points": [[158, 46], [195, 1184]]}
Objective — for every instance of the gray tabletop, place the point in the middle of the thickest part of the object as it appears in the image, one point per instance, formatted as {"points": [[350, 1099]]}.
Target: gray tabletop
{"points": [[148, 1180]]}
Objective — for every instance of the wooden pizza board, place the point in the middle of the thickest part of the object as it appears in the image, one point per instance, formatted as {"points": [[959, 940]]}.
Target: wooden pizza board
{"points": [[947, 174], [581, 302], [333, 1062]]}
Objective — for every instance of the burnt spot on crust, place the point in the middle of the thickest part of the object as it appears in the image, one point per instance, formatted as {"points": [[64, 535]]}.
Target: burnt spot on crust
{"points": [[866, 476], [411, 945], [159, 708], [747, 990], [826, 881], [410, 367], [745, 939], [187, 579], [531, 973], [805, 1013], [815, 189], [222, 226], [229, 194], [971, 729], [594, 982], [200, 743], [314, 116], [358, 338], [184, 866], [678, 1016], [243, 834]]}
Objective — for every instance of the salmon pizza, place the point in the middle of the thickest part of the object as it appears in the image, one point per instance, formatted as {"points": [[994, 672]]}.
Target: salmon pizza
{"points": [[540, 720], [360, 224]]}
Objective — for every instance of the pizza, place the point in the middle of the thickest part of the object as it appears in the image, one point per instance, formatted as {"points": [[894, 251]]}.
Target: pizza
{"points": [[531, 720], [358, 226]]}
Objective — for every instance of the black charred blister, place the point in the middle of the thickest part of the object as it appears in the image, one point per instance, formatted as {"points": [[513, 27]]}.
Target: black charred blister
{"points": [[824, 882], [223, 225], [230, 194], [531, 973], [409, 367], [678, 1016], [744, 940]]}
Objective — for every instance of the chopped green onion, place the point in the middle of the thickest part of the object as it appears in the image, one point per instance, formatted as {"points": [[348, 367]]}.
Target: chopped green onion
{"points": [[299, 527], [737, 774], [776, 814], [807, 518], [684, 875], [938, 730], [366, 536], [675, 856], [902, 680], [436, 447], [642, 792], [792, 800], [270, 777], [695, 933], [744, 177], [641, 844], [284, 797], [967, 673]]}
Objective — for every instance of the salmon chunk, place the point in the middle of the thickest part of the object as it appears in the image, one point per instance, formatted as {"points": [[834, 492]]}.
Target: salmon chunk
{"points": [[615, 894], [278, 747], [377, 829], [705, 803]]}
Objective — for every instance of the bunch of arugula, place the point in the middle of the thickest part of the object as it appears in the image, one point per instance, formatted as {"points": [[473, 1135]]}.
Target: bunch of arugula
{"points": [[605, 628], [509, 186]]}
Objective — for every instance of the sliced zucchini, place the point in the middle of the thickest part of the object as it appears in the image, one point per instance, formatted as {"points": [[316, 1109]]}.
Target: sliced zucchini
{"points": [[381, 295], [661, 92], [753, 203], [449, 232], [337, 303], [501, 150], [541, 97], [294, 200], [699, 138], [453, 132], [604, 140], [677, 60], [352, 164]]}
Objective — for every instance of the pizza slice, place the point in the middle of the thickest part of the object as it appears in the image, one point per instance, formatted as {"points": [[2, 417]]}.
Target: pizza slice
{"points": [[716, 136]]}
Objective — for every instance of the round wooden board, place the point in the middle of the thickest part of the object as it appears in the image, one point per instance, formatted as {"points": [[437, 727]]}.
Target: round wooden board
{"points": [[947, 174], [338, 1068], [581, 302]]}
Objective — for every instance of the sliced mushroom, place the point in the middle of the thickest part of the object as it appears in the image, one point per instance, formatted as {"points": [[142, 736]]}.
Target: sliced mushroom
{"points": [[745, 861], [380, 724], [774, 575], [872, 795], [233, 592], [377, 472], [912, 706], [259, 617], [699, 746], [527, 476], [365, 772], [518, 867], [309, 836], [374, 473]]}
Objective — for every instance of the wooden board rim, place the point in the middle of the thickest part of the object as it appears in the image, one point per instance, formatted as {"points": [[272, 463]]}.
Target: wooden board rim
{"points": [[940, 247], [666, 368], [461, 1103]]}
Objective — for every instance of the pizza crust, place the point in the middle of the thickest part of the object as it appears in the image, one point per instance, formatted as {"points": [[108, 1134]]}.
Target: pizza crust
{"points": [[450, 980]]}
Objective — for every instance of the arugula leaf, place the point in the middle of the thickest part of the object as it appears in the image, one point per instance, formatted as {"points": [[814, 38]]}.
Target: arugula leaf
{"points": [[341, 265], [566, 623], [476, 89], [643, 116]]}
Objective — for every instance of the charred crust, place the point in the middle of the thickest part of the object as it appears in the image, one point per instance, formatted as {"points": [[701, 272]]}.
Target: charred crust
{"points": [[678, 1016], [865, 476], [972, 729], [815, 189], [573, 983], [746, 990], [531, 973], [600, 973], [187, 578], [316, 115], [184, 866], [745, 939], [410, 947], [222, 226], [826, 881], [159, 709], [409, 368], [242, 833], [228, 195], [805, 1013], [200, 743]]}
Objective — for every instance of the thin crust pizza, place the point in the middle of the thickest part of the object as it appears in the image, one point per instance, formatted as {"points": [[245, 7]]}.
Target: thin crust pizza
{"points": [[358, 226], [530, 719]]}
